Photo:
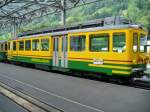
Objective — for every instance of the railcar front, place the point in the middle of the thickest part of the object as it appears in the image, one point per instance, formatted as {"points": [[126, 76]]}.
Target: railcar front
{"points": [[140, 57], [103, 52], [110, 51]]}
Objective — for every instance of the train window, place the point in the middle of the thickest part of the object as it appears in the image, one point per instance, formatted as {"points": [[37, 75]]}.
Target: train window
{"points": [[14, 46], [35, 45], [77, 43], [1, 47], [135, 42], [21, 45], [148, 48], [27, 45], [8, 45], [99, 42], [4, 47], [119, 42], [64, 43], [143, 42], [45, 44]]}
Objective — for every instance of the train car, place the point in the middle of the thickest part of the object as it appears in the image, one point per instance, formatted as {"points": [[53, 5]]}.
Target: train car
{"points": [[117, 50], [3, 50], [33, 50]]}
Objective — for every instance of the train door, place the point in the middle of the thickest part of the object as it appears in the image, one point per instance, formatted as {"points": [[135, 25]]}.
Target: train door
{"points": [[64, 52], [56, 51]]}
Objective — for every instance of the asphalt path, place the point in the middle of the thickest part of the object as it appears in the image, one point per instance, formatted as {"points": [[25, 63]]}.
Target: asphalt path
{"points": [[74, 94]]}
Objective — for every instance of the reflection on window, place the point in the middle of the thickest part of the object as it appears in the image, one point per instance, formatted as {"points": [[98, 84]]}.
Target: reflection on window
{"points": [[135, 42], [14, 46], [35, 45], [45, 44], [21, 45], [77, 43], [143, 41], [99, 42], [119, 42], [28, 45]]}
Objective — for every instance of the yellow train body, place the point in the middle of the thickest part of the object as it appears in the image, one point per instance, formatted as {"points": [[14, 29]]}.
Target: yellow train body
{"points": [[110, 61]]}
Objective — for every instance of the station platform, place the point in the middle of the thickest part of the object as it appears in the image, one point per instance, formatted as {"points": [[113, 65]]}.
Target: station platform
{"points": [[7, 105], [74, 94]]}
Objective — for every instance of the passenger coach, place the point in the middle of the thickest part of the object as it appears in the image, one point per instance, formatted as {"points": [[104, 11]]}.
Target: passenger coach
{"points": [[117, 50]]}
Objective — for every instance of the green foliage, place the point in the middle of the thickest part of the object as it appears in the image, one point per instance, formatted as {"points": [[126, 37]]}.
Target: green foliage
{"points": [[5, 36], [136, 10]]}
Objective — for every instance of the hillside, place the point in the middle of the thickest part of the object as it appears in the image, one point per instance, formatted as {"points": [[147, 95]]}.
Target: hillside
{"points": [[136, 10]]}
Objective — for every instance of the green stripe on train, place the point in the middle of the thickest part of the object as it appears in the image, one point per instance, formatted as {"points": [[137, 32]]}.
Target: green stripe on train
{"points": [[79, 65], [31, 60], [126, 65]]}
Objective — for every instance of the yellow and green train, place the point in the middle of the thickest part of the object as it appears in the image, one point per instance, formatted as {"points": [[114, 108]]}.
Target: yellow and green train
{"points": [[110, 50]]}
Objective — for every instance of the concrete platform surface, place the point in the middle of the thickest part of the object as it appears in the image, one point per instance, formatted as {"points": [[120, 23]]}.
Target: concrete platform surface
{"points": [[73, 94], [7, 105]]}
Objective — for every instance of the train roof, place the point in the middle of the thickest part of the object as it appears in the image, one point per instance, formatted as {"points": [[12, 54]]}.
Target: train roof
{"points": [[94, 25], [3, 41], [64, 32]]}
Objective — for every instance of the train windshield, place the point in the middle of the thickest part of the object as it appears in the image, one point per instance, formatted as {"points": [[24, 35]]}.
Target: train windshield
{"points": [[143, 42]]}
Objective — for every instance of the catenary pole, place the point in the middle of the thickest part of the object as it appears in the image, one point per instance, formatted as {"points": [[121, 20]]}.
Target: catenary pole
{"points": [[63, 12]]}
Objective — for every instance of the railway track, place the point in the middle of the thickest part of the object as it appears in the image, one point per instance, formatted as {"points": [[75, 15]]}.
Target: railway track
{"points": [[140, 84]]}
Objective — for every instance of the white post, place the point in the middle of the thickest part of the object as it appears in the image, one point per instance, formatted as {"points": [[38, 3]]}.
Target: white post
{"points": [[14, 29], [63, 12]]}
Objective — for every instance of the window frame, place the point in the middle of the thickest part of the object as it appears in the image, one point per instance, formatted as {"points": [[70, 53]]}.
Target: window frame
{"points": [[8, 46], [37, 49], [41, 45], [15, 46], [136, 43], [101, 34], [1, 46], [78, 36], [19, 45], [140, 43], [5, 46], [125, 36], [26, 45]]}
